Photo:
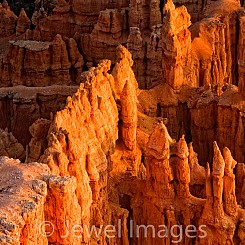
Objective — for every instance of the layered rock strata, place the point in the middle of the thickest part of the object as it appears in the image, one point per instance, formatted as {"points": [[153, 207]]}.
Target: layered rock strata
{"points": [[24, 105], [8, 20], [115, 163], [28, 193], [193, 51], [10, 23], [39, 64], [106, 149]]}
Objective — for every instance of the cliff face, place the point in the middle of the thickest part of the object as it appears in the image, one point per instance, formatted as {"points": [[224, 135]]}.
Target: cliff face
{"points": [[72, 16], [23, 106], [109, 31], [33, 190], [193, 52], [94, 152], [93, 109], [176, 40], [10, 23], [39, 64], [98, 151]]}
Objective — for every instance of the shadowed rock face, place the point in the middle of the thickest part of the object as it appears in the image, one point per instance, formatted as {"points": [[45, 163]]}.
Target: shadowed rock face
{"points": [[40, 64], [123, 113], [17, 5]]}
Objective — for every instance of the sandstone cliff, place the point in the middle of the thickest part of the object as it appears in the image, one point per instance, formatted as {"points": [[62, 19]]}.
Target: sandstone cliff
{"points": [[7, 21], [106, 178], [24, 105], [28, 192], [10, 23], [39, 64], [193, 51], [99, 150]]}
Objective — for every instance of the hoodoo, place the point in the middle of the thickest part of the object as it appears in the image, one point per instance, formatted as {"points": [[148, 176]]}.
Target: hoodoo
{"points": [[122, 122]]}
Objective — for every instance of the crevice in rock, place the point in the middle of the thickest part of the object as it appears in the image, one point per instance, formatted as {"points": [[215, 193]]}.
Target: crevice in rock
{"points": [[162, 2], [125, 202], [236, 74], [236, 238]]}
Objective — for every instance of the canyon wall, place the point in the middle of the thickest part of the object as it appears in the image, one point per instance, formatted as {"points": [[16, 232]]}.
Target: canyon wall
{"points": [[40, 64], [85, 154], [100, 28], [97, 149], [11, 24], [27, 194], [24, 105], [112, 162]]}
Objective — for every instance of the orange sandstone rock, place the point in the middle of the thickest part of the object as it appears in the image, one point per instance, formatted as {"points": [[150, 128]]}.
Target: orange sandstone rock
{"points": [[9, 146], [7, 20], [39, 64], [23, 23], [110, 147], [176, 39]]}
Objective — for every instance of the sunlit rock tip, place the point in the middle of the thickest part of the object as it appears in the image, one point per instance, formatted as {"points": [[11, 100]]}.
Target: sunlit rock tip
{"points": [[122, 122]]}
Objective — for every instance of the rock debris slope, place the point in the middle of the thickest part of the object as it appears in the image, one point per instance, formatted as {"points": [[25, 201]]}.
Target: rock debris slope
{"points": [[123, 113]]}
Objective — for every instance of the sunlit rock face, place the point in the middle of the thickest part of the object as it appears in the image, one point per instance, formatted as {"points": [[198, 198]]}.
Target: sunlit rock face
{"points": [[122, 122]]}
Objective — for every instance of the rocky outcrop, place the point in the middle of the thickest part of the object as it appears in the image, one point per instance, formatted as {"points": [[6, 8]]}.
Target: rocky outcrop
{"points": [[176, 40], [192, 52], [10, 23], [23, 23], [157, 158], [67, 18], [21, 106], [23, 193], [65, 215], [125, 88], [39, 64], [100, 37], [28, 214], [221, 200], [106, 149], [168, 176], [196, 8], [7, 20], [86, 154], [218, 65], [167, 199], [201, 115], [10, 147], [192, 56], [108, 33]]}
